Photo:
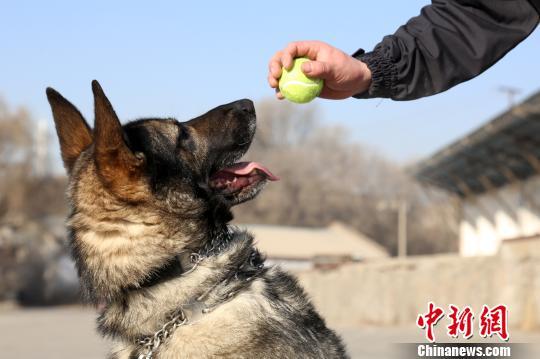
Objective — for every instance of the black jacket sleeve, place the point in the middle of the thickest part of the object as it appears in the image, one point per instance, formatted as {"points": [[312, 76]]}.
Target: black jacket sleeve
{"points": [[450, 42]]}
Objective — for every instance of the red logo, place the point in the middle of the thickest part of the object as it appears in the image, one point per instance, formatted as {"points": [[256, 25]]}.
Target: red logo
{"points": [[462, 322], [429, 320], [492, 321]]}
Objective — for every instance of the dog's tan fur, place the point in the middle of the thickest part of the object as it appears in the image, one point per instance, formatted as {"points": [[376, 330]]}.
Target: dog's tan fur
{"points": [[133, 223]]}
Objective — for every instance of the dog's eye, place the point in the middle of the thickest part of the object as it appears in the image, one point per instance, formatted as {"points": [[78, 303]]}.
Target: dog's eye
{"points": [[140, 157]]}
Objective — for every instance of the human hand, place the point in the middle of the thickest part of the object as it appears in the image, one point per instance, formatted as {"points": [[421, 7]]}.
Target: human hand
{"points": [[344, 76]]}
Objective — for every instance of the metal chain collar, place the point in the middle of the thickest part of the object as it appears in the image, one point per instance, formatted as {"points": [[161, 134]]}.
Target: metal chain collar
{"points": [[152, 343], [179, 318]]}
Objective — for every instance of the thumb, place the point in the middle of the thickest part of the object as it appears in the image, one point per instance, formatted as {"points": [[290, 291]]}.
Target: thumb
{"points": [[317, 69]]}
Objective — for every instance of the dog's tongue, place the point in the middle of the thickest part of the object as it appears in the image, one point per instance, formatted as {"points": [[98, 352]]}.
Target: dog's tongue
{"points": [[245, 168]]}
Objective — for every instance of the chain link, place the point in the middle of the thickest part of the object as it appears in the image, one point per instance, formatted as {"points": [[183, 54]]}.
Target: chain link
{"points": [[152, 343]]}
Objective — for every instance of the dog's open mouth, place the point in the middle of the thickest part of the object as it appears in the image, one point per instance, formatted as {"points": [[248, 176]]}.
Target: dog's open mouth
{"points": [[241, 178]]}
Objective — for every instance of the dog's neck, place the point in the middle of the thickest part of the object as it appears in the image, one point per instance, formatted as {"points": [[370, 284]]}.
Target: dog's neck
{"points": [[152, 243], [215, 243], [230, 247], [222, 268]]}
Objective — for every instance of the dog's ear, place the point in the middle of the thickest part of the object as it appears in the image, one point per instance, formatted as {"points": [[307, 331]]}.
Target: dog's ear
{"points": [[73, 132], [118, 167]]}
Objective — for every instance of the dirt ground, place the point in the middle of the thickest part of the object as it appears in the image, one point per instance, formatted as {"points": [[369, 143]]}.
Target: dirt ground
{"points": [[68, 332]]}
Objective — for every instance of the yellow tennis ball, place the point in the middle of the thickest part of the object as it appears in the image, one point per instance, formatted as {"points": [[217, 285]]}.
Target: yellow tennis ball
{"points": [[296, 86]]}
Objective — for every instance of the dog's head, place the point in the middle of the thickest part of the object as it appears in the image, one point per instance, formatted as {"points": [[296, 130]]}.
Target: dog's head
{"points": [[152, 189], [184, 168]]}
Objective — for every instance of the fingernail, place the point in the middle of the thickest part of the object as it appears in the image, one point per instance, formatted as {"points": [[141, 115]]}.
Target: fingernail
{"points": [[306, 67]]}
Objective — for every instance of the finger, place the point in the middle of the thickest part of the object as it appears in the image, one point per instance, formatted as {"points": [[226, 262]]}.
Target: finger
{"points": [[272, 81], [279, 96], [275, 70], [299, 49], [318, 69], [275, 65], [276, 58], [287, 59]]}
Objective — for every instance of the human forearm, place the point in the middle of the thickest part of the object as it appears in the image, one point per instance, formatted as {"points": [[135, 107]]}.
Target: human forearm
{"points": [[448, 43]]}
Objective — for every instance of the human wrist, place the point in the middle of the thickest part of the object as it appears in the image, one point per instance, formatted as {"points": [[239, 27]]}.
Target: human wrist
{"points": [[383, 74], [362, 76], [366, 74]]}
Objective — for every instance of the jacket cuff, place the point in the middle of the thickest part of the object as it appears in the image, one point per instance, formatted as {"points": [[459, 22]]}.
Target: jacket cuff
{"points": [[383, 74]]}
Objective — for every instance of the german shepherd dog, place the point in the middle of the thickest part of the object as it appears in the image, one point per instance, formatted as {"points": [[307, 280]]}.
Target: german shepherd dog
{"points": [[150, 206]]}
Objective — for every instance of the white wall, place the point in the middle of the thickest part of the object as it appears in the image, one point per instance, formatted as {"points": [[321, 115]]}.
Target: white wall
{"points": [[510, 212], [394, 291]]}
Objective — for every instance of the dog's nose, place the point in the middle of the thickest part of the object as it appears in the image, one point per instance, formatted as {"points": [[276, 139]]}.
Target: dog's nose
{"points": [[245, 105]]}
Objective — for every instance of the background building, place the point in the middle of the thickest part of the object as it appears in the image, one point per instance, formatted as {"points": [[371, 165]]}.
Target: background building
{"points": [[300, 248], [495, 173]]}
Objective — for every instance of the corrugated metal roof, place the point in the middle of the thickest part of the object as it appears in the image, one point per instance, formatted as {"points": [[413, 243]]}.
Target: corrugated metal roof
{"points": [[504, 150], [307, 243]]}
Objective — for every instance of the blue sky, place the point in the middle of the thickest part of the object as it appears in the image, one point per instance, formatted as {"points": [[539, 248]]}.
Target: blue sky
{"points": [[170, 58]]}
